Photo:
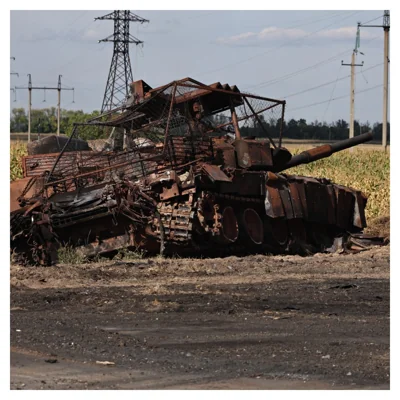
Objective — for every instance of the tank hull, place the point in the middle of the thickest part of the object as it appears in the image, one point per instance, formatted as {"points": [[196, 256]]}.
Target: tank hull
{"points": [[273, 213], [187, 182]]}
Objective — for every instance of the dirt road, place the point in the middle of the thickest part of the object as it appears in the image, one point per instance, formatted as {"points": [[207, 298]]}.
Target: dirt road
{"points": [[257, 322]]}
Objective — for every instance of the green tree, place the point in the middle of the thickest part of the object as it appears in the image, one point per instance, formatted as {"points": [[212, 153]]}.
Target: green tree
{"points": [[19, 120]]}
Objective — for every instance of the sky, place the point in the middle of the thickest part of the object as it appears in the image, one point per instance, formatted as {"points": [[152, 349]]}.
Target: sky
{"points": [[289, 55]]}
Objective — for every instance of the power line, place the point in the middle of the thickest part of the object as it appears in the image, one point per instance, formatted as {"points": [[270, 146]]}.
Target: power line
{"points": [[331, 97], [274, 48], [79, 55], [330, 82], [336, 98], [386, 27], [76, 34], [318, 20], [76, 19], [367, 22], [303, 23], [59, 88], [68, 41], [294, 73], [291, 74]]}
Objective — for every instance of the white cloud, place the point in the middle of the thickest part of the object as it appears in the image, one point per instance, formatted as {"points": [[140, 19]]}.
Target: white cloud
{"points": [[91, 34], [237, 38], [274, 34], [347, 32], [270, 33]]}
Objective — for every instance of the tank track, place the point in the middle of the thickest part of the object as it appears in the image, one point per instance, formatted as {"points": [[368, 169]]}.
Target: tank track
{"points": [[176, 221], [180, 221]]}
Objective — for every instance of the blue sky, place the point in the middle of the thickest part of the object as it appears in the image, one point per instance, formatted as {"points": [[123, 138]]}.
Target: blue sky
{"points": [[279, 54]]}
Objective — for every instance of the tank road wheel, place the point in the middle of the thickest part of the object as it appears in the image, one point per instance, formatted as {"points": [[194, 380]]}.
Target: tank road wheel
{"points": [[277, 230], [252, 226], [298, 230], [229, 230]]}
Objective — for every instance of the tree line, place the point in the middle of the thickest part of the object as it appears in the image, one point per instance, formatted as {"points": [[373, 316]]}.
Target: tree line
{"points": [[45, 121], [302, 130]]}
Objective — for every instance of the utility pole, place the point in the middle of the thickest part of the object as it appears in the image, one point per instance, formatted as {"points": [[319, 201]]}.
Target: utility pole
{"points": [[58, 104], [352, 93], [386, 28], [120, 74], [30, 88], [29, 105], [13, 73]]}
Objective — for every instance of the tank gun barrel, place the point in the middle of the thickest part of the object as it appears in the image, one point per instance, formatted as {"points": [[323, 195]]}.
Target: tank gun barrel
{"points": [[326, 150]]}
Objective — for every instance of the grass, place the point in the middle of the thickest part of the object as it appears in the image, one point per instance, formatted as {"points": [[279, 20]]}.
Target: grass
{"points": [[368, 171], [130, 255], [69, 255], [363, 169]]}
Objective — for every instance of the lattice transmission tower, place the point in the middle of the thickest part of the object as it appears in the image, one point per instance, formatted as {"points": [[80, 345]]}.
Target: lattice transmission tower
{"points": [[120, 75]]}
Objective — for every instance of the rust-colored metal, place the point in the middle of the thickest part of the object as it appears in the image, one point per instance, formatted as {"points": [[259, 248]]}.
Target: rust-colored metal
{"points": [[253, 154], [235, 122], [17, 188], [244, 118], [252, 225], [260, 123], [229, 227], [190, 179], [215, 173]]}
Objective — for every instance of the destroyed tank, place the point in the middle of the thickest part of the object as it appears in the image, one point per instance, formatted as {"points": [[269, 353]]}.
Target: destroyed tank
{"points": [[194, 171]]}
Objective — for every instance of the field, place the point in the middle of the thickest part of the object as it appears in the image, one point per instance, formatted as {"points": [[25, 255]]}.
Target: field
{"points": [[364, 168], [254, 322]]}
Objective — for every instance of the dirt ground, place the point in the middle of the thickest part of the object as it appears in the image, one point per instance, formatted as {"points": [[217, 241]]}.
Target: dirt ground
{"points": [[255, 322]]}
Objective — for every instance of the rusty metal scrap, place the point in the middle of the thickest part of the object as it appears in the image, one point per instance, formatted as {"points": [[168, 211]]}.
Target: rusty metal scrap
{"points": [[188, 180]]}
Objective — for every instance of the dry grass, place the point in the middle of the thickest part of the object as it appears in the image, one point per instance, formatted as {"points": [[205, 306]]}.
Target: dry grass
{"points": [[69, 255], [293, 146], [17, 151], [368, 171]]}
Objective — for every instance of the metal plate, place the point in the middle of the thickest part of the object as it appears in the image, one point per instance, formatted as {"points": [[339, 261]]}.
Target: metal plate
{"points": [[345, 207], [359, 211], [296, 201], [287, 203], [273, 203], [215, 173]]}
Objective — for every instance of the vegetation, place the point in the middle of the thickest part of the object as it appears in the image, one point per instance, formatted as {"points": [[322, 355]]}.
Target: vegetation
{"points": [[130, 255], [17, 151], [303, 130], [45, 121], [69, 255], [365, 170]]}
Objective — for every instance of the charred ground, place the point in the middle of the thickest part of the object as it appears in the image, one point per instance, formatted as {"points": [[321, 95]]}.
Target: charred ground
{"points": [[252, 322]]}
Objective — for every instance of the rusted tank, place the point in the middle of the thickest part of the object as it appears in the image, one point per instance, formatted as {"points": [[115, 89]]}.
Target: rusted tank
{"points": [[200, 173]]}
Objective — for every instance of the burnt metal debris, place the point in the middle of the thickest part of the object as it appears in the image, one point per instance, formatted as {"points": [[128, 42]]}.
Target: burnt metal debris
{"points": [[181, 175]]}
